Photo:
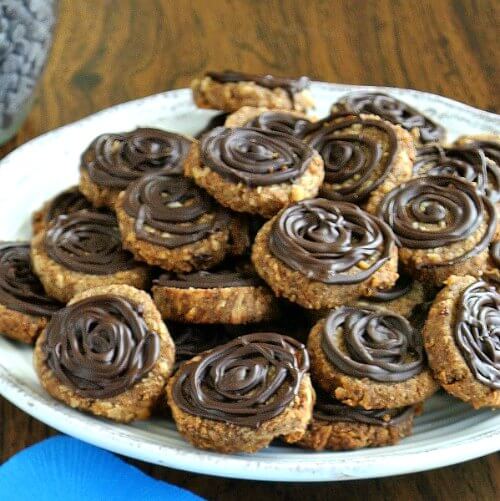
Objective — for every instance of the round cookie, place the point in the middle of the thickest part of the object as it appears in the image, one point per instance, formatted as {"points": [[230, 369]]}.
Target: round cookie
{"points": [[223, 296], [24, 307], [170, 222], [108, 353], [462, 340], [443, 227], [230, 90], [370, 358], [253, 170], [81, 251], [320, 253], [338, 427], [239, 396], [66, 202], [292, 123], [113, 161], [422, 128], [365, 157]]}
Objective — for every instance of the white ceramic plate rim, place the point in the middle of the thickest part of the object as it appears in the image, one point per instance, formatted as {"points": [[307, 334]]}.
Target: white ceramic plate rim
{"points": [[295, 465]]}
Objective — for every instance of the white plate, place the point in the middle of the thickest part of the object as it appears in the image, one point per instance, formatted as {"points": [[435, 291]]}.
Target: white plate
{"points": [[448, 432]]}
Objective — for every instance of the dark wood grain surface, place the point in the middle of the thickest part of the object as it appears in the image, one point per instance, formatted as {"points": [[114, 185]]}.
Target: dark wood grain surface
{"points": [[110, 51]]}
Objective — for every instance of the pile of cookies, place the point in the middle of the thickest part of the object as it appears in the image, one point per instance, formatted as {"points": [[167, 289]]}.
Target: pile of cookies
{"points": [[278, 276]]}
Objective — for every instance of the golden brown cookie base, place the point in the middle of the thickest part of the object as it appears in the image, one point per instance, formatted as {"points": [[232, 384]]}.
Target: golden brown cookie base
{"points": [[446, 361], [229, 97], [311, 294], [225, 305], [364, 392], [263, 200], [20, 326], [227, 437], [242, 116], [62, 283], [99, 196], [138, 401]]}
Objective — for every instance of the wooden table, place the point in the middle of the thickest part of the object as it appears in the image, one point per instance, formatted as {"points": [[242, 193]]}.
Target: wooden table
{"points": [[110, 51]]}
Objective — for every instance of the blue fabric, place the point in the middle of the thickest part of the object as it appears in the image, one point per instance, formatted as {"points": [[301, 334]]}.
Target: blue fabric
{"points": [[68, 469]]}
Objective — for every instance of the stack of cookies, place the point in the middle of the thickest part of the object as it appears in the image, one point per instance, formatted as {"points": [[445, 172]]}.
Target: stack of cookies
{"points": [[278, 276]]}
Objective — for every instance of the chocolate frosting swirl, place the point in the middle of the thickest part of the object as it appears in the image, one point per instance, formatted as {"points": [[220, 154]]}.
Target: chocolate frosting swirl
{"points": [[393, 110], [244, 382], [100, 346], [114, 160], [437, 211], [327, 241], [477, 332], [255, 157], [490, 147], [403, 286], [332, 411], [277, 121], [67, 202], [180, 212], [352, 160], [20, 288], [379, 345], [88, 242], [495, 253]]}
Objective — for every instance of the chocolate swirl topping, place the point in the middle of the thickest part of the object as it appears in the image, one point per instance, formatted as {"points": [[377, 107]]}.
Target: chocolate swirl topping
{"points": [[179, 212], [477, 332], [327, 241], [277, 121], [244, 382], [20, 288], [495, 253], [393, 110], [330, 410], [67, 202], [354, 163], [403, 286], [490, 147], [114, 160], [255, 157], [436, 211], [380, 345], [88, 242], [100, 346]]}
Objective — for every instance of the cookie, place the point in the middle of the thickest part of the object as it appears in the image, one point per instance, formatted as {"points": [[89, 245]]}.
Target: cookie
{"points": [[423, 129], [230, 90], [443, 227], [81, 251], [108, 353], [170, 222], [462, 340], [320, 253], [284, 121], [66, 202], [253, 170], [241, 395], [113, 161], [370, 358], [365, 157], [223, 296], [338, 427], [24, 306]]}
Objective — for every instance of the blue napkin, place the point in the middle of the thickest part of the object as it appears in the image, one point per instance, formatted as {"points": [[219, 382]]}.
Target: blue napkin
{"points": [[68, 469]]}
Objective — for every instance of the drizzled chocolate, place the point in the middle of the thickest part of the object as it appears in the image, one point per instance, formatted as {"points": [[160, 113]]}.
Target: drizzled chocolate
{"points": [[244, 382], [355, 162], [437, 211], [393, 110], [495, 253], [114, 160], [67, 202], [255, 157], [477, 332], [332, 411], [20, 288], [364, 342], [88, 242], [332, 242], [490, 147], [100, 346], [403, 286], [179, 212], [277, 121]]}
